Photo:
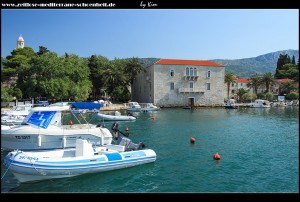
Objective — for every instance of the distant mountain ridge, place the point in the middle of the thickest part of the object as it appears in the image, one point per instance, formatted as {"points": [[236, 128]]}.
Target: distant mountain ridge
{"points": [[256, 65], [245, 67]]}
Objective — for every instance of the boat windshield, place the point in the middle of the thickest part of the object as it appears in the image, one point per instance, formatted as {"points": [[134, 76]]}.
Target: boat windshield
{"points": [[41, 119]]}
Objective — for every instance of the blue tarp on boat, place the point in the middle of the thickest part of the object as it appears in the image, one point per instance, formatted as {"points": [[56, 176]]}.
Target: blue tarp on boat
{"points": [[86, 105]]}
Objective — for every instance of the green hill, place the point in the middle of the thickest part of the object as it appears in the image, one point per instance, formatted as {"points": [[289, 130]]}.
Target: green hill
{"points": [[256, 65]]}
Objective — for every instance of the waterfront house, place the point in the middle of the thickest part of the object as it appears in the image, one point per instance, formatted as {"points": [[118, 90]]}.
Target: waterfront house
{"points": [[177, 83], [235, 86]]}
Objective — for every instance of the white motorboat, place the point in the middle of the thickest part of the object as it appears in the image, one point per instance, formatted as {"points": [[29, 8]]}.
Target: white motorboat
{"points": [[116, 117], [230, 104], [16, 115], [134, 107], [84, 158], [259, 103], [146, 107], [43, 129]]}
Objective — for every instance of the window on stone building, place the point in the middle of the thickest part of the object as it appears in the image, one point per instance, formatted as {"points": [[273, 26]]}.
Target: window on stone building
{"points": [[208, 74], [172, 86], [191, 71], [191, 84], [195, 71], [208, 86], [187, 71], [172, 73]]}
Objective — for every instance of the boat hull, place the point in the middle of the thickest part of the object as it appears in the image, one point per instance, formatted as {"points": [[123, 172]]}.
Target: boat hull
{"points": [[30, 166], [231, 107]]}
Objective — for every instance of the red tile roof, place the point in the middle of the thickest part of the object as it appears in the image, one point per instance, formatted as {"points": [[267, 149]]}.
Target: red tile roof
{"points": [[234, 77], [243, 80], [188, 62], [281, 81]]}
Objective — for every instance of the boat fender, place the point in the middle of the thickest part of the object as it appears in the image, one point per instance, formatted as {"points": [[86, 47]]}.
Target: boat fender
{"points": [[39, 140], [64, 142], [71, 122]]}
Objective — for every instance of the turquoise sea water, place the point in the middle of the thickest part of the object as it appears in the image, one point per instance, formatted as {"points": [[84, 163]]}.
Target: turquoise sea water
{"points": [[259, 151]]}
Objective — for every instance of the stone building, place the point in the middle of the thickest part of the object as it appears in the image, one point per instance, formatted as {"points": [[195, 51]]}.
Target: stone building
{"points": [[177, 83]]}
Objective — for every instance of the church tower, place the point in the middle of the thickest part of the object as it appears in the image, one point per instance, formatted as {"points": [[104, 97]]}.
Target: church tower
{"points": [[20, 42]]}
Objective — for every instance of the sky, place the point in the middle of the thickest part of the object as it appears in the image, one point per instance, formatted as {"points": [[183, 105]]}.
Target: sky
{"points": [[196, 34]]}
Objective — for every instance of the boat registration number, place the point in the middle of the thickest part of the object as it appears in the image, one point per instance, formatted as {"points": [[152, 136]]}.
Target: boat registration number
{"points": [[24, 137], [29, 158]]}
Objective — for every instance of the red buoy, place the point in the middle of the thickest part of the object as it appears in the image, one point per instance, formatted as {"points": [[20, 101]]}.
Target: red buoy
{"points": [[71, 122], [192, 140], [126, 129], [217, 156], [153, 117]]}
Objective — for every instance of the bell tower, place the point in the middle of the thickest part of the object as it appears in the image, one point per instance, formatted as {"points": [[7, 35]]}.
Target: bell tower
{"points": [[20, 42]]}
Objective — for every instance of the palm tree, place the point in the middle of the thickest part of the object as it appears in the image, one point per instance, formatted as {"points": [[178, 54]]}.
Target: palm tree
{"points": [[268, 79], [255, 82], [133, 68], [229, 78]]}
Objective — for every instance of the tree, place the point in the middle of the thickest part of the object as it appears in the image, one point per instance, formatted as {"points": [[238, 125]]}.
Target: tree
{"points": [[19, 57], [5, 96], [289, 71], [132, 68], [293, 60], [229, 78], [255, 82], [55, 77], [268, 79], [42, 50], [286, 88], [282, 60], [115, 75], [249, 96], [16, 92], [97, 66], [293, 96], [269, 96], [240, 92]]}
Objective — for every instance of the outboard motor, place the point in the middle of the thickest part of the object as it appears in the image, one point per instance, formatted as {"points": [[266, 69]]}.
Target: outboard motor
{"points": [[124, 140], [129, 145]]}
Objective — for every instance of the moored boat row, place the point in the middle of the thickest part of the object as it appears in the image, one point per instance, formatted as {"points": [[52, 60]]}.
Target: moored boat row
{"points": [[44, 148]]}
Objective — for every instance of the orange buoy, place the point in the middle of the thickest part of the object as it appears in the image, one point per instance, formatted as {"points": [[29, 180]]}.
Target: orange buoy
{"points": [[217, 156], [192, 140], [71, 122], [126, 129]]}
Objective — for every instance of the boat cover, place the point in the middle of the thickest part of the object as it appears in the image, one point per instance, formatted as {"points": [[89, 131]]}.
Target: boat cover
{"points": [[86, 105]]}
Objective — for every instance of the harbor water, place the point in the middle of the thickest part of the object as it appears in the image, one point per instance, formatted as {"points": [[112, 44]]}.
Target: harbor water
{"points": [[259, 151]]}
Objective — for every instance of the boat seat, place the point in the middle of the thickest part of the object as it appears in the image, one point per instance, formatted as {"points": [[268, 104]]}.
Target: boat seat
{"points": [[83, 148]]}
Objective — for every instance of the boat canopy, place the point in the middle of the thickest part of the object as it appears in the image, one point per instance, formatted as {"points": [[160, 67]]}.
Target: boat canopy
{"points": [[85, 105]]}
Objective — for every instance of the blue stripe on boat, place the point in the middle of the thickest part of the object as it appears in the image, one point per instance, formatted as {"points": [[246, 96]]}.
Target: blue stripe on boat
{"points": [[113, 157], [91, 165]]}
